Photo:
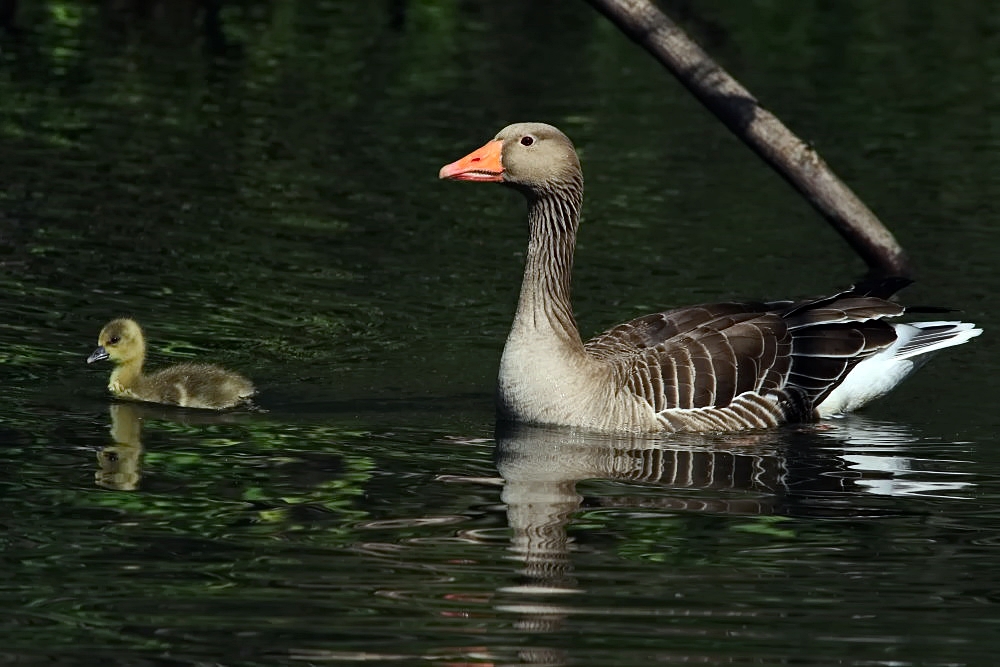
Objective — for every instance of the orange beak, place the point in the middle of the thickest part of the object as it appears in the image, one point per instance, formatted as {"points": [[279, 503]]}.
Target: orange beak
{"points": [[483, 164]]}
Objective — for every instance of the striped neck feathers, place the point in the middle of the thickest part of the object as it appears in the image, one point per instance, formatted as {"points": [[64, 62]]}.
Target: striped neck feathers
{"points": [[553, 218]]}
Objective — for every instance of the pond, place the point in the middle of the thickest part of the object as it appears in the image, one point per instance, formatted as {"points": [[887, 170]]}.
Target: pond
{"points": [[264, 194]]}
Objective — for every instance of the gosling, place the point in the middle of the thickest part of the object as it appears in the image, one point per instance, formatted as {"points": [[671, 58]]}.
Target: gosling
{"points": [[188, 385]]}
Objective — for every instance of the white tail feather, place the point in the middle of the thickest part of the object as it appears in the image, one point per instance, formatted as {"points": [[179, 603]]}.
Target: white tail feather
{"points": [[879, 374], [919, 338]]}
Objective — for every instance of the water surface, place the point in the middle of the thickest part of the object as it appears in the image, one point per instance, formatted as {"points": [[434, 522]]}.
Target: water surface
{"points": [[271, 203]]}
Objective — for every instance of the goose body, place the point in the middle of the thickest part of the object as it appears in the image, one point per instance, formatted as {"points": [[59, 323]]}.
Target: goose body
{"points": [[712, 367], [189, 385]]}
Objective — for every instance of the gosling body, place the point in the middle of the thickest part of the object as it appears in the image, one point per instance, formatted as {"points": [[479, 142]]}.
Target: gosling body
{"points": [[189, 385]]}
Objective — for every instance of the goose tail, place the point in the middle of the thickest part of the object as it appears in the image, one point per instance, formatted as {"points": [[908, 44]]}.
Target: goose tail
{"points": [[916, 342]]}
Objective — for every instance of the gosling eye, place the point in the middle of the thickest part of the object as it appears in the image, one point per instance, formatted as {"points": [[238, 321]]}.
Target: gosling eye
{"points": [[114, 340], [527, 140]]}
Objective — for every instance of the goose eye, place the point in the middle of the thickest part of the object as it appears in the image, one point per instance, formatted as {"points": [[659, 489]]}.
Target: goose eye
{"points": [[114, 340], [527, 141]]}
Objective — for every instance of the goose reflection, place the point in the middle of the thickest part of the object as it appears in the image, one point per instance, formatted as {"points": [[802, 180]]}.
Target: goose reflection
{"points": [[541, 467], [880, 459], [791, 472]]}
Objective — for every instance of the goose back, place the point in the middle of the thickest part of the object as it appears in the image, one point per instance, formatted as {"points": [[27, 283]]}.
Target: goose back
{"points": [[738, 365]]}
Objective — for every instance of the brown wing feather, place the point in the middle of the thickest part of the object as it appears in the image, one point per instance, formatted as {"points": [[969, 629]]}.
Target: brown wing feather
{"points": [[709, 355]]}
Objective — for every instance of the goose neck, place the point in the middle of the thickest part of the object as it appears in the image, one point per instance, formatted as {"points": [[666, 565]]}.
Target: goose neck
{"points": [[546, 288]]}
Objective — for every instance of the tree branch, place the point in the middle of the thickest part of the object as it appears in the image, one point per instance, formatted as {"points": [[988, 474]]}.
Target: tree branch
{"points": [[792, 158]]}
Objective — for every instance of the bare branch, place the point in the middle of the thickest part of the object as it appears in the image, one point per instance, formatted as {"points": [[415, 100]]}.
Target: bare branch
{"points": [[797, 162]]}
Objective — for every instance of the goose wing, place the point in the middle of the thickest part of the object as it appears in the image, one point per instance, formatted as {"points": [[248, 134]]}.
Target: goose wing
{"points": [[739, 365]]}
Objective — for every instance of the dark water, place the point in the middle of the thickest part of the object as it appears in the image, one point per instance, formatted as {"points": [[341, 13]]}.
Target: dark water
{"points": [[271, 203]]}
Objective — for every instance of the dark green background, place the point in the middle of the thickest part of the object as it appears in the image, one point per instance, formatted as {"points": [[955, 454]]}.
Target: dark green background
{"points": [[273, 205]]}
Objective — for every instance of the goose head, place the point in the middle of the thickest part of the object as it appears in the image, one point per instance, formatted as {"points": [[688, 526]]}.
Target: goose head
{"points": [[533, 157], [120, 341]]}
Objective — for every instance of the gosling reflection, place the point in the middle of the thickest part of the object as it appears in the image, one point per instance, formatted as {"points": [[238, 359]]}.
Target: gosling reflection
{"points": [[119, 466]]}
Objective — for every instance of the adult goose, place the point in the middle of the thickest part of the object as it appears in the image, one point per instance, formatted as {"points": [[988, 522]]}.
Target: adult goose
{"points": [[189, 385], [712, 367]]}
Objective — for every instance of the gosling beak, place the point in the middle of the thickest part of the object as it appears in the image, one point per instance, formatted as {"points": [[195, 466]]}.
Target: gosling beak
{"points": [[484, 164], [100, 354]]}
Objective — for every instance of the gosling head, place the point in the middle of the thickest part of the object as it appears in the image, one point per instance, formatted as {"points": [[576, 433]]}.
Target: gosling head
{"points": [[120, 341], [533, 157]]}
